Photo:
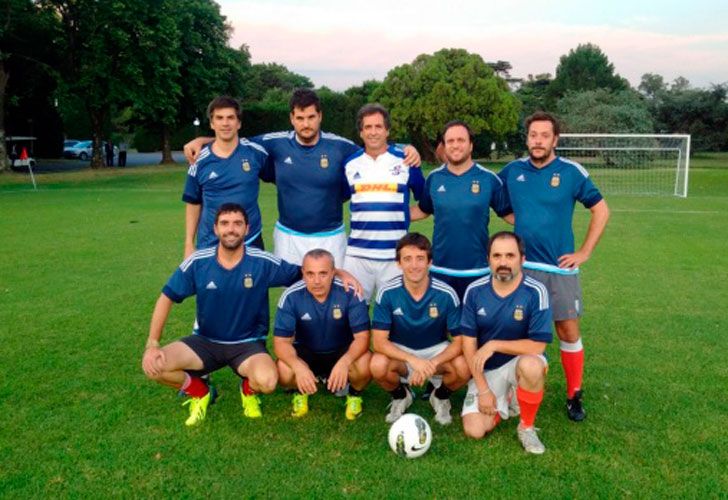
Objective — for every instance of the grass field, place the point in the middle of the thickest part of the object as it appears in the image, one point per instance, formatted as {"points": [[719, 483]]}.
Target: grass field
{"points": [[83, 261]]}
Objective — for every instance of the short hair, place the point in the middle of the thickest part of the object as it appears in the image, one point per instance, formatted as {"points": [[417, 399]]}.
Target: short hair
{"points": [[318, 253], [416, 240], [457, 123], [228, 208], [224, 101], [543, 116], [505, 235], [372, 109], [303, 98]]}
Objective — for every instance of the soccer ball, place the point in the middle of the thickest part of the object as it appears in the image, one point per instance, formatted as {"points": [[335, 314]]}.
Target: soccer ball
{"points": [[410, 436]]}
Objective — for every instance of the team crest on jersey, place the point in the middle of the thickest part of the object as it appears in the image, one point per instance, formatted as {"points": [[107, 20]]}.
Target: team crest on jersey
{"points": [[336, 313], [555, 180], [324, 161], [475, 187], [396, 170], [248, 281], [246, 166], [434, 313], [518, 313]]}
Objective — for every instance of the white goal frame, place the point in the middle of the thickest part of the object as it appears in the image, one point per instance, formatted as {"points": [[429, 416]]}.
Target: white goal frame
{"points": [[663, 148]]}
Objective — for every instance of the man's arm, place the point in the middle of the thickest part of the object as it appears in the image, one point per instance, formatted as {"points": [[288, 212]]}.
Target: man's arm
{"points": [[423, 368], [513, 347], [153, 355], [416, 213], [599, 219], [192, 148], [284, 350], [451, 352], [339, 375], [192, 220]]}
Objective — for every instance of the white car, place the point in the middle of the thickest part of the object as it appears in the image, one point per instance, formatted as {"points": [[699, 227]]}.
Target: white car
{"points": [[84, 149]]}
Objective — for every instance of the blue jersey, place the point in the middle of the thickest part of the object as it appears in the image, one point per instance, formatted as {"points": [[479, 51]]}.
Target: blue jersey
{"points": [[212, 181], [228, 300], [524, 314], [379, 206], [417, 324], [310, 181], [542, 200], [321, 327], [461, 205]]}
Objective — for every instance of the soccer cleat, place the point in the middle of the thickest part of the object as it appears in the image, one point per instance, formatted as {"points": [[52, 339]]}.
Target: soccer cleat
{"points": [[442, 409], [251, 405], [429, 388], [299, 402], [530, 441], [574, 408], [198, 409], [353, 407], [398, 406]]}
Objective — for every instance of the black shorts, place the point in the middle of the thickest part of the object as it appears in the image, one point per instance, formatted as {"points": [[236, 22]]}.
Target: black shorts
{"points": [[320, 363], [214, 356]]}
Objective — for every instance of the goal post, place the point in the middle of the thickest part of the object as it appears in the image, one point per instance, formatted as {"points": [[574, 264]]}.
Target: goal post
{"points": [[633, 164]]}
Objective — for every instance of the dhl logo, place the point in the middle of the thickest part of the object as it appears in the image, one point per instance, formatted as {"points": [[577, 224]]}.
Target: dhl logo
{"points": [[382, 187]]}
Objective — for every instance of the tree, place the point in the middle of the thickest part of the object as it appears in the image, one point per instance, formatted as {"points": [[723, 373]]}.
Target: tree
{"points": [[652, 85], [266, 76], [585, 68], [436, 88], [602, 111]]}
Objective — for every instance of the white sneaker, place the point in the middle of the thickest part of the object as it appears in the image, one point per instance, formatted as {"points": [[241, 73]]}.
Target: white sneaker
{"points": [[530, 441], [398, 406], [442, 409]]}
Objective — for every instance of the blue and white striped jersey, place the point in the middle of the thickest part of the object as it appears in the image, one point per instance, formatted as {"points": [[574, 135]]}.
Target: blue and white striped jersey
{"points": [[380, 189]]}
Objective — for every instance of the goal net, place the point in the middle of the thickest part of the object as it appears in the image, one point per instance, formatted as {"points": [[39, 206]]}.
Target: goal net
{"points": [[640, 164]]}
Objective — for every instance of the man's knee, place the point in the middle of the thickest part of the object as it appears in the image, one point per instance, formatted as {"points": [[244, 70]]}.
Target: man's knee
{"points": [[530, 370], [476, 427], [568, 330], [379, 365], [264, 380]]}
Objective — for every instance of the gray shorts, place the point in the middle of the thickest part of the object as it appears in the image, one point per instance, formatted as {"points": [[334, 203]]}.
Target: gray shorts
{"points": [[564, 293]]}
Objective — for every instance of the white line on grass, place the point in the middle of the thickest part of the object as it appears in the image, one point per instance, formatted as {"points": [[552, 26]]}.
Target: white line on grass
{"points": [[666, 211]]}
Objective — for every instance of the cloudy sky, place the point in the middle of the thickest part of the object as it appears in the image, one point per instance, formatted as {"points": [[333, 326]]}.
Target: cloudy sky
{"points": [[340, 44]]}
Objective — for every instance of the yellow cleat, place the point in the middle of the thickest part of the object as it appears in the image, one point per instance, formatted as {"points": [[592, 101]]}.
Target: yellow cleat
{"points": [[353, 407], [299, 404], [251, 406], [198, 409]]}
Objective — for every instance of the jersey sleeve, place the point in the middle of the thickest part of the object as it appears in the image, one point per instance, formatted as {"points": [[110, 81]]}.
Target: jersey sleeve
{"points": [[283, 273], [587, 193], [268, 169], [193, 191], [500, 202], [181, 284], [468, 325], [416, 182], [539, 323], [344, 186], [505, 200], [453, 317], [425, 200], [358, 313], [382, 316], [285, 322]]}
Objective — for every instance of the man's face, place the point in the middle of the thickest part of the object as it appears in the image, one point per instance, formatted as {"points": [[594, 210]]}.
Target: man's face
{"points": [[458, 148], [231, 229], [318, 273], [541, 141], [307, 123], [374, 132], [505, 260], [225, 123], [414, 264]]}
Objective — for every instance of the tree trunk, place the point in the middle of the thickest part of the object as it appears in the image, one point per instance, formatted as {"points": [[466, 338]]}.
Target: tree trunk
{"points": [[97, 130], [4, 163], [422, 143], [166, 146]]}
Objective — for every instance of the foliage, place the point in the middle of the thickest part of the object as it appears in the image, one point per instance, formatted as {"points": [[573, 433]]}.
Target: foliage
{"points": [[585, 68], [266, 76], [603, 111]]}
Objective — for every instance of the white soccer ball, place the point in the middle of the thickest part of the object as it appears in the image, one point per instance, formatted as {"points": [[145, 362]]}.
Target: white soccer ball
{"points": [[410, 436]]}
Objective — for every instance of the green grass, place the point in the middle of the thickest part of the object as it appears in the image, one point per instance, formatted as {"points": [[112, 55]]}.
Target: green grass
{"points": [[84, 259]]}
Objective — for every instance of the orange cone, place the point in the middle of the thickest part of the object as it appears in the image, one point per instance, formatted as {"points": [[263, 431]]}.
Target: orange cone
{"points": [[23, 154]]}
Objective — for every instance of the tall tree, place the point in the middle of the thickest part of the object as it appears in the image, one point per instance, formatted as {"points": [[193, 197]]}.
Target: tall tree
{"points": [[603, 111], [585, 68], [439, 87]]}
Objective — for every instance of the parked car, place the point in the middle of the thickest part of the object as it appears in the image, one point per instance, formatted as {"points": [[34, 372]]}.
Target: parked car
{"points": [[84, 149], [70, 142]]}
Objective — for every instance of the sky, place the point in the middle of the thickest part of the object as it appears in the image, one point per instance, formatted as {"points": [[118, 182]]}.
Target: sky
{"points": [[340, 44]]}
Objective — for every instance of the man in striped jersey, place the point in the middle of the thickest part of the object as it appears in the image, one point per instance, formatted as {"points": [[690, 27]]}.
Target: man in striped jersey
{"points": [[380, 183], [505, 326], [543, 189], [413, 315]]}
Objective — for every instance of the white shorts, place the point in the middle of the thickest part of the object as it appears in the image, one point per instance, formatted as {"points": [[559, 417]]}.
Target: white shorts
{"points": [[500, 381], [372, 274], [426, 353], [291, 246]]}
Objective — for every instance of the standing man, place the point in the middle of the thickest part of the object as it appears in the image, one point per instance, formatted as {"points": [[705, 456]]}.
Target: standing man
{"points": [[413, 315], [379, 183], [309, 166], [543, 189], [505, 326], [460, 194], [322, 332]]}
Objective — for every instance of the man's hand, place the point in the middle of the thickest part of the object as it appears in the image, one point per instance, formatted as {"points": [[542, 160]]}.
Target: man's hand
{"points": [[305, 380], [411, 156], [481, 356], [339, 376], [573, 260], [486, 403], [192, 149], [423, 369], [349, 281], [153, 361]]}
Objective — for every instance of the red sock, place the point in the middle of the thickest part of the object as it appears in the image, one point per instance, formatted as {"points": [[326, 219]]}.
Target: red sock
{"points": [[247, 390], [572, 360], [529, 402], [194, 386]]}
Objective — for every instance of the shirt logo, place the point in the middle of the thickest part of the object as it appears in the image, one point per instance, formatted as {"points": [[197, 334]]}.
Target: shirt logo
{"points": [[434, 313], [336, 313], [324, 161], [288, 161], [396, 170], [213, 175], [441, 189], [357, 176], [248, 281], [211, 286], [246, 166], [481, 312], [475, 187], [398, 312], [518, 313], [555, 180], [306, 317], [521, 178]]}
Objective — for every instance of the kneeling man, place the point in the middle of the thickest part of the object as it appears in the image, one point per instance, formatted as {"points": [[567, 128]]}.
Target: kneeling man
{"points": [[413, 314], [505, 326], [322, 331]]}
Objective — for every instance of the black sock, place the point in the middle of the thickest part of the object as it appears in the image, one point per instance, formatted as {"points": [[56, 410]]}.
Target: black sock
{"points": [[398, 392], [352, 391], [443, 392]]}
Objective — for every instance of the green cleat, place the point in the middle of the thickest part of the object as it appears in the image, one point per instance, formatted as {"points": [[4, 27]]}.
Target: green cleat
{"points": [[299, 402], [353, 407], [251, 406], [198, 409]]}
